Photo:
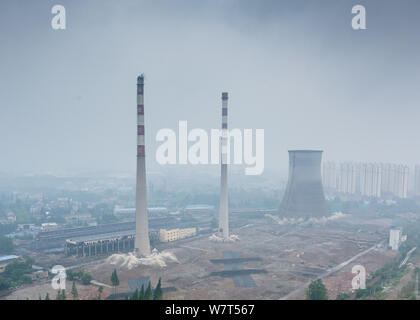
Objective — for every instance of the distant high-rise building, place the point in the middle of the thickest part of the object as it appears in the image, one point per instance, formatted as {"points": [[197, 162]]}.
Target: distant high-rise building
{"points": [[370, 180], [395, 179], [329, 175], [347, 178], [417, 180]]}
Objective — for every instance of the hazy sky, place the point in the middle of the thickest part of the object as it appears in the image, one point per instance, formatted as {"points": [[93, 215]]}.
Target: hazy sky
{"points": [[294, 68]]}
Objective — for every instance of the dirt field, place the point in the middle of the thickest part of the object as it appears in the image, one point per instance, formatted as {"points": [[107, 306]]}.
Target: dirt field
{"points": [[291, 255]]}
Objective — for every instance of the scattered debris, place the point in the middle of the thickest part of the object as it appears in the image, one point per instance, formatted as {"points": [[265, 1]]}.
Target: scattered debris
{"points": [[304, 222], [130, 260], [232, 238]]}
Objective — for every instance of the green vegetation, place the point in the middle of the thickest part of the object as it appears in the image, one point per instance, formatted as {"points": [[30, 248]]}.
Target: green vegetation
{"points": [[343, 296], [157, 294], [4, 284], [407, 292], [149, 294], [61, 295], [6, 245], [391, 274], [16, 273], [114, 280], [100, 290], [7, 228], [141, 295], [316, 291], [84, 277], [74, 291]]}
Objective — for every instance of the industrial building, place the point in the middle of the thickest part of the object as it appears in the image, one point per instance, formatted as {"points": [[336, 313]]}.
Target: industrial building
{"points": [[100, 244], [176, 234], [304, 195], [57, 238], [104, 244]]}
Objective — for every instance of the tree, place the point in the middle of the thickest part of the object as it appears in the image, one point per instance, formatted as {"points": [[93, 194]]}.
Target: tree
{"points": [[74, 291], [86, 278], [157, 294], [316, 291], [100, 290], [135, 295], [114, 280], [141, 295], [148, 295], [343, 296], [4, 284], [61, 295]]}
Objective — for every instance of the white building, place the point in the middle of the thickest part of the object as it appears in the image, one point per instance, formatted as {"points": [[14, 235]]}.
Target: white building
{"points": [[49, 226], [176, 234], [347, 178], [395, 238], [370, 180]]}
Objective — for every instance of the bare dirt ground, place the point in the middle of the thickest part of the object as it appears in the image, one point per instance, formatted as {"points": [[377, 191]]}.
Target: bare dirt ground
{"points": [[291, 255], [33, 292], [340, 282]]}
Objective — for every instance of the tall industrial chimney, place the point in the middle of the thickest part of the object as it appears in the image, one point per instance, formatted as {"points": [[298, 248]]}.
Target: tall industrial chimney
{"points": [[304, 195], [142, 244], [223, 209]]}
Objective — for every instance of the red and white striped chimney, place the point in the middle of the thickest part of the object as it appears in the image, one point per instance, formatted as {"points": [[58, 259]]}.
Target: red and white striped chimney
{"points": [[223, 206], [142, 243]]}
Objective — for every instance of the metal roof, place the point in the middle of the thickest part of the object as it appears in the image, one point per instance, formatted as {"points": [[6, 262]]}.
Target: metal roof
{"points": [[102, 236]]}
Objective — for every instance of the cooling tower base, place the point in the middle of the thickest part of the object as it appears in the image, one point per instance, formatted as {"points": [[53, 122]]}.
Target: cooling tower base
{"points": [[304, 195]]}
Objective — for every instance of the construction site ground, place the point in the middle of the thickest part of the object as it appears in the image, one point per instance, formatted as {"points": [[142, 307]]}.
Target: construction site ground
{"points": [[291, 255]]}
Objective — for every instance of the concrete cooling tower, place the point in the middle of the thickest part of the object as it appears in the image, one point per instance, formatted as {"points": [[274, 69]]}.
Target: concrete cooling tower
{"points": [[304, 195]]}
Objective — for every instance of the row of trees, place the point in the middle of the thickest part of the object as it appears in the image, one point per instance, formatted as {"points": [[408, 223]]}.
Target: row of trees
{"points": [[84, 277], [61, 294], [149, 293]]}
